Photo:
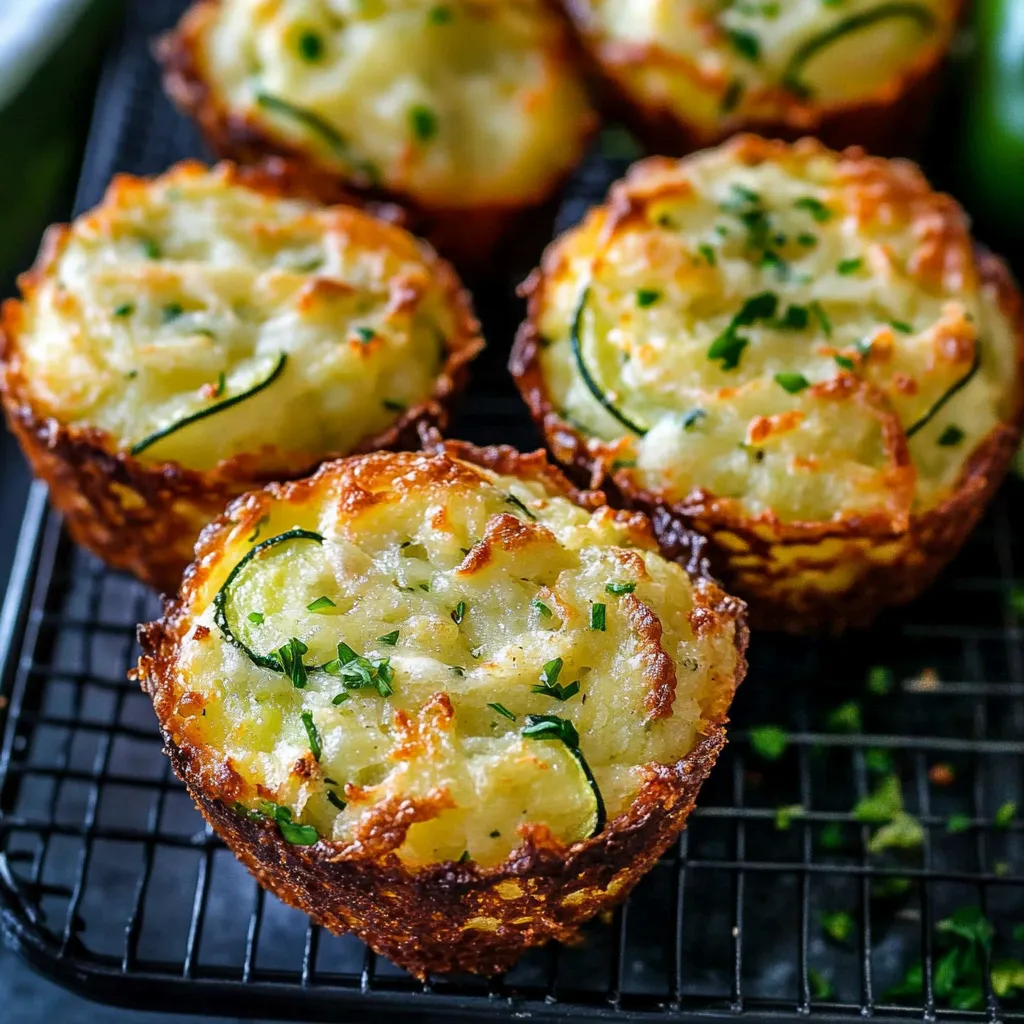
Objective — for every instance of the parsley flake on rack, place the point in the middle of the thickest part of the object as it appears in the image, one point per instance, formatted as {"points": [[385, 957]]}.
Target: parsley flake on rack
{"points": [[769, 741]]}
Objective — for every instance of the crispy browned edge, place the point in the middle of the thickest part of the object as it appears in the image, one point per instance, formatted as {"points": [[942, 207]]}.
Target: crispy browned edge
{"points": [[145, 518], [929, 543], [418, 918], [479, 240], [893, 122]]}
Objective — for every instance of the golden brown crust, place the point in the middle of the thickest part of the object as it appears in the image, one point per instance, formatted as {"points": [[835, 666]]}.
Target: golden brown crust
{"points": [[892, 122], [449, 916], [144, 518], [882, 559], [500, 235]]}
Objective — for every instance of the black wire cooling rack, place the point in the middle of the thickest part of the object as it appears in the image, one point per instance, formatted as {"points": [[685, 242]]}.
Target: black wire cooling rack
{"points": [[111, 884]]}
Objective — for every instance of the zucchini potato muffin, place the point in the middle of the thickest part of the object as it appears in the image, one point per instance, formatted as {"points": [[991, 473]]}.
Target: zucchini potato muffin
{"points": [[201, 333], [468, 112], [687, 73], [443, 700], [796, 352]]}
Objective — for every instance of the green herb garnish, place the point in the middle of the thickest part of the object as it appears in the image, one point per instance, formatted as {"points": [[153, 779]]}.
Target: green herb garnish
{"points": [[729, 345], [815, 207], [541, 608], [460, 613], [880, 680], [513, 500], [647, 297], [597, 617], [311, 46], [951, 436], [620, 588], [769, 741], [125, 309], [320, 604], [357, 672], [503, 711], [792, 382], [850, 266], [838, 925], [256, 618], [1005, 815], [314, 736], [389, 639], [423, 122], [289, 660]]}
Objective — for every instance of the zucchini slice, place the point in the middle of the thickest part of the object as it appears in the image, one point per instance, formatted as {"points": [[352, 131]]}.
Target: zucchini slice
{"points": [[947, 395], [593, 386], [552, 727], [227, 403], [791, 77], [264, 601], [327, 133]]}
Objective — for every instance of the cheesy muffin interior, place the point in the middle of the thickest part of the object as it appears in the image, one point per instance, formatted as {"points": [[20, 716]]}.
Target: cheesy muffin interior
{"points": [[410, 638], [457, 104], [708, 61], [803, 336], [195, 318]]}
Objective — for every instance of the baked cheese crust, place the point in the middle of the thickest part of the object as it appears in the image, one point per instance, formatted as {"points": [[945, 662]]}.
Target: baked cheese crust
{"points": [[468, 103], [710, 64], [201, 317], [443, 603]]}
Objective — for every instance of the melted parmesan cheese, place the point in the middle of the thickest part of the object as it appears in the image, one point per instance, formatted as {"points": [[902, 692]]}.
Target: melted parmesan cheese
{"points": [[180, 293], [779, 321], [706, 61], [465, 103], [472, 585]]}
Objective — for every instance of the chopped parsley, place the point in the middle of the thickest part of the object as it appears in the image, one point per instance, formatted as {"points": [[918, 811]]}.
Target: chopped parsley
{"points": [[503, 711], [951, 436], [647, 297], [341, 698], [125, 309], [784, 815], [597, 617], [557, 690], [297, 835], [796, 318], [958, 823], [846, 718], [311, 46], [513, 500], [320, 604], [442, 14], [850, 266], [821, 987], [620, 588], [746, 44], [256, 618], [880, 680], [807, 240], [878, 761], [792, 382], [460, 613], [365, 334], [541, 608], [729, 345], [1005, 815], [838, 925], [708, 253], [902, 326], [769, 741], [423, 122], [171, 312], [150, 248], [357, 672], [822, 317], [314, 736], [831, 837], [392, 405], [551, 727], [815, 207], [389, 639], [884, 807], [465, 858], [220, 386], [289, 658]]}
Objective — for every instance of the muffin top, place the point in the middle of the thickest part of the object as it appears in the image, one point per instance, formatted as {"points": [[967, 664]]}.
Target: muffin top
{"points": [[456, 104], [203, 316], [482, 649], [707, 62], [796, 334]]}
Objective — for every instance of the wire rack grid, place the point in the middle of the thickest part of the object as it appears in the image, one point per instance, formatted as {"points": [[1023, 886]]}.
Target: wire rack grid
{"points": [[111, 884]]}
